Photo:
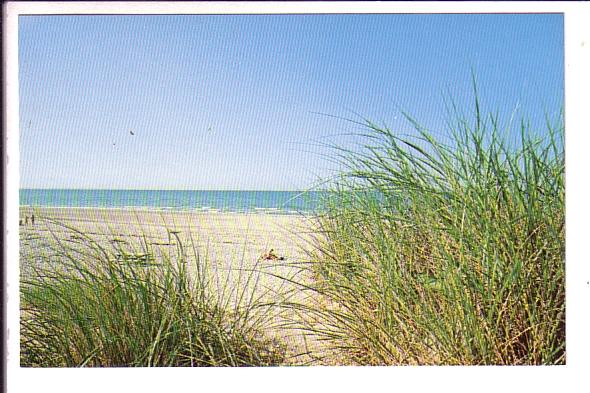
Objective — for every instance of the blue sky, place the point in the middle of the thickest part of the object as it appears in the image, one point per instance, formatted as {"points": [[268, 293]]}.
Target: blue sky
{"points": [[231, 101]]}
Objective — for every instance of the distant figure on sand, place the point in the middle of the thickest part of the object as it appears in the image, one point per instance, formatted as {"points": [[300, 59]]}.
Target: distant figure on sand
{"points": [[26, 220], [32, 219], [271, 256]]}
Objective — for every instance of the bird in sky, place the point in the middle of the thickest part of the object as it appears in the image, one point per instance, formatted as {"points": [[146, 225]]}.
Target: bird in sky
{"points": [[131, 132]]}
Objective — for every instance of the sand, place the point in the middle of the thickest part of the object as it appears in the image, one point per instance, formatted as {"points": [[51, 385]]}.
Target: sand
{"points": [[232, 243], [222, 235]]}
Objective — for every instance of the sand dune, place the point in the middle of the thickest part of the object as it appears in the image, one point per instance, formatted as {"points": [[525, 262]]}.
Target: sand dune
{"points": [[231, 242]]}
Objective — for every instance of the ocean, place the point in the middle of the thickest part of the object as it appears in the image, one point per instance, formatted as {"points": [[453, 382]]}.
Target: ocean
{"points": [[279, 202]]}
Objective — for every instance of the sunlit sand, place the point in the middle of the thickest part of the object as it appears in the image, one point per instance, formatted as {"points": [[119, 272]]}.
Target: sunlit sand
{"points": [[232, 244]]}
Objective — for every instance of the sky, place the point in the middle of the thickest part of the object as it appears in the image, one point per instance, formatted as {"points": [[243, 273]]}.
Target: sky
{"points": [[249, 102]]}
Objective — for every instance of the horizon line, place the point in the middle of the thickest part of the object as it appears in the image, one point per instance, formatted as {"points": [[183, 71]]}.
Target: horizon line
{"points": [[164, 189]]}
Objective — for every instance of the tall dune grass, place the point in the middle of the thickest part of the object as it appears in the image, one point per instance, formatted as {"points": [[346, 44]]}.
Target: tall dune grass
{"points": [[84, 303], [446, 251]]}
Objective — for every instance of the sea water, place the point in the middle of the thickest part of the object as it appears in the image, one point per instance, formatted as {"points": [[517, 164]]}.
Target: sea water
{"points": [[280, 202]]}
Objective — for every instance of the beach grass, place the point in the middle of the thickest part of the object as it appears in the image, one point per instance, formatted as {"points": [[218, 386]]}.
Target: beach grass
{"points": [[84, 303], [426, 250], [445, 251]]}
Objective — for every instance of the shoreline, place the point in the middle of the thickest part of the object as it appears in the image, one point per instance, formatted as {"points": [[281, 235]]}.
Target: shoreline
{"points": [[232, 223], [204, 210]]}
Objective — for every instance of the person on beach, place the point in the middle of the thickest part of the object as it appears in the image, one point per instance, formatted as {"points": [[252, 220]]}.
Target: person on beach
{"points": [[32, 219], [271, 256], [26, 220]]}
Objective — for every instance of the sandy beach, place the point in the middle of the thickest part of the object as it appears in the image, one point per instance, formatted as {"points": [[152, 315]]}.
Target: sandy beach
{"points": [[222, 236], [232, 243]]}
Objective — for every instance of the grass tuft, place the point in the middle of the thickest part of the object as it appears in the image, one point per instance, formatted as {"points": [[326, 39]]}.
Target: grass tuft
{"points": [[446, 251], [86, 304]]}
